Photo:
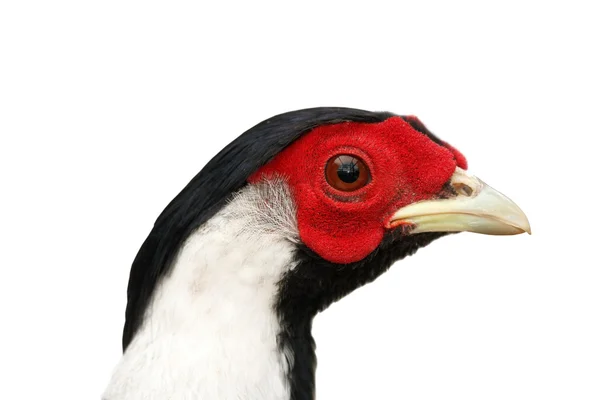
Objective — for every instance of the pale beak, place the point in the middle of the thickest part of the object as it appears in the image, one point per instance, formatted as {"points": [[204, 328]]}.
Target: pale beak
{"points": [[477, 208]]}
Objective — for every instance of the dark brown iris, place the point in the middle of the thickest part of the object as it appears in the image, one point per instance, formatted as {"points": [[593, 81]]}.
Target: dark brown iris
{"points": [[346, 173]]}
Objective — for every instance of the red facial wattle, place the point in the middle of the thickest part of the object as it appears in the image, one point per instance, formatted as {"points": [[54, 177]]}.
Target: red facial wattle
{"points": [[405, 165]]}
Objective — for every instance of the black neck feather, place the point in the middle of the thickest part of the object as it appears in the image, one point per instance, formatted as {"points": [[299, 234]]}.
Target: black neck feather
{"points": [[313, 285]]}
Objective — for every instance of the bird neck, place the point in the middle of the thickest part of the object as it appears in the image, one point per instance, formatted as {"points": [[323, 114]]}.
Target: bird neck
{"points": [[212, 329]]}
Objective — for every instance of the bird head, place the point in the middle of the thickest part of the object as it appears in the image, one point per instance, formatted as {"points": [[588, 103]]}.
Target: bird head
{"points": [[366, 189]]}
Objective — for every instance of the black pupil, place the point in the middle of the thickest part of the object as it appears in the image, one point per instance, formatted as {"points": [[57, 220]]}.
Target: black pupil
{"points": [[348, 171]]}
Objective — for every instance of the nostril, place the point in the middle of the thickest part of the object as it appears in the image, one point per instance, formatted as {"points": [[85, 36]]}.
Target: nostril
{"points": [[463, 189]]}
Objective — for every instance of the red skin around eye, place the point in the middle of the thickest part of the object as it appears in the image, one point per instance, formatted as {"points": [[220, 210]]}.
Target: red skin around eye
{"points": [[342, 227]]}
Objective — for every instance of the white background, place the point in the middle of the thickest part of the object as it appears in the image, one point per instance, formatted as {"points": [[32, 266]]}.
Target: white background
{"points": [[108, 108]]}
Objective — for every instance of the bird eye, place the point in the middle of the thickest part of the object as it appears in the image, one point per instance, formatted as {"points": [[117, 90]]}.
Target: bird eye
{"points": [[346, 173]]}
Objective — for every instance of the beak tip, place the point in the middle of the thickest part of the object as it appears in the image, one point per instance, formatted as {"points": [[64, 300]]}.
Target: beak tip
{"points": [[526, 226], [523, 226]]}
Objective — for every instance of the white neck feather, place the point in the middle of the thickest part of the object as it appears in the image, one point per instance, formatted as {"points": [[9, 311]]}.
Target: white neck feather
{"points": [[210, 331]]}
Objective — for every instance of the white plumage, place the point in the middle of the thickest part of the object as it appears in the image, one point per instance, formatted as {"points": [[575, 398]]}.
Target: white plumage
{"points": [[210, 331]]}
